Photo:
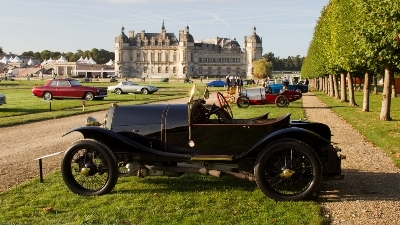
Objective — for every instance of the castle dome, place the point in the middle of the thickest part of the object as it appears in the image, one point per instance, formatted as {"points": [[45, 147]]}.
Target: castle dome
{"points": [[254, 37], [122, 37]]}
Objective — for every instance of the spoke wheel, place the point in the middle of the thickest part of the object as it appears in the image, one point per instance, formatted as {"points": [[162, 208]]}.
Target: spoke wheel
{"points": [[288, 170], [281, 101], [224, 104], [89, 168], [243, 102]]}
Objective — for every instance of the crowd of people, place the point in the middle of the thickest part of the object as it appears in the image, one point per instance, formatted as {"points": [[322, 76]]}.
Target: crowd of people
{"points": [[234, 82]]}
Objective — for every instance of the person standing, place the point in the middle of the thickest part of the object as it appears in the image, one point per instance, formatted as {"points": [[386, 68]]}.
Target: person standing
{"points": [[228, 83]]}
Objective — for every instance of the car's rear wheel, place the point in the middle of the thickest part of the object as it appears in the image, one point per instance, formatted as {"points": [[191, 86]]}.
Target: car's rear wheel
{"points": [[145, 91], [47, 96], [118, 91], [281, 101], [89, 168], [243, 102], [288, 170], [89, 96], [298, 90]]}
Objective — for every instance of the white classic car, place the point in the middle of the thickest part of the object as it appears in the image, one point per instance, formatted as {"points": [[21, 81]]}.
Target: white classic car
{"points": [[131, 87]]}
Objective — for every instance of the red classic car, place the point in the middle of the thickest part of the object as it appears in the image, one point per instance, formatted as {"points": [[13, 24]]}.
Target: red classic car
{"points": [[68, 88], [262, 96]]}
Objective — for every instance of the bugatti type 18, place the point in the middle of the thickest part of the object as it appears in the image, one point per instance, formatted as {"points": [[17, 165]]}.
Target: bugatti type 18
{"points": [[287, 159]]}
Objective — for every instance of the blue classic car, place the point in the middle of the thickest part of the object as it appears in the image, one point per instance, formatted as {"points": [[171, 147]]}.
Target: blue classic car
{"points": [[216, 83], [301, 88]]}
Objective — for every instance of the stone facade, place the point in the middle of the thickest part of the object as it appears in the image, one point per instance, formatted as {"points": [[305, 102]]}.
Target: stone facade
{"points": [[163, 55]]}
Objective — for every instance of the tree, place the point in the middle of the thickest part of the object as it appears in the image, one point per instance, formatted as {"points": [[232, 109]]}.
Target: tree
{"points": [[1, 50], [262, 68], [45, 55]]}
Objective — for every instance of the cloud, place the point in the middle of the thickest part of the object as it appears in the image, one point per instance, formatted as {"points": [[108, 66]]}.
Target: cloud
{"points": [[164, 1]]}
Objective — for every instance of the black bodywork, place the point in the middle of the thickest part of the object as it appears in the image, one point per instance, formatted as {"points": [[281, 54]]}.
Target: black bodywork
{"points": [[288, 159]]}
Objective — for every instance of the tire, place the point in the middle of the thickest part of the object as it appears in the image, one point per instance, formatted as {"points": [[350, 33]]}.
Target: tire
{"points": [[89, 168], [281, 101], [47, 96], [243, 102], [298, 90], [89, 96], [118, 91], [288, 170], [145, 91]]}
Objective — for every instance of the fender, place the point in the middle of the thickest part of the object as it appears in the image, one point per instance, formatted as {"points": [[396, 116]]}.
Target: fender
{"points": [[313, 139], [119, 143]]}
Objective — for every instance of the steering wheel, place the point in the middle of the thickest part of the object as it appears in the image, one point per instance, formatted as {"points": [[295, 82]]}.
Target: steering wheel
{"points": [[224, 105]]}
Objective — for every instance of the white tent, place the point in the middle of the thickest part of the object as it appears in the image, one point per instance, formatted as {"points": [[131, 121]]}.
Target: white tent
{"points": [[50, 60], [86, 60], [81, 60], [4, 60], [110, 63], [44, 62], [11, 58], [30, 62], [61, 59], [16, 60], [91, 61]]}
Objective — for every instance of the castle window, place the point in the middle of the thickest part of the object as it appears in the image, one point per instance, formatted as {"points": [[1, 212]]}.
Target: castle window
{"points": [[200, 60], [174, 70], [167, 57], [131, 57], [228, 70], [159, 70], [145, 69], [167, 69], [184, 70], [209, 70], [174, 58], [159, 57], [200, 69], [152, 56], [184, 56]]}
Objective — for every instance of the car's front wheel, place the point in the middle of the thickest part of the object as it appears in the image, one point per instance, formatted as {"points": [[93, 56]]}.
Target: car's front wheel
{"points": [[118, 91], [89, 96], [89, 168], [145, 91], [47, 96], [288, 170]]}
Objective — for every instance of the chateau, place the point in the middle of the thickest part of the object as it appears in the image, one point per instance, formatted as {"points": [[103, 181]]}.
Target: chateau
{"points": [[163, 55]]}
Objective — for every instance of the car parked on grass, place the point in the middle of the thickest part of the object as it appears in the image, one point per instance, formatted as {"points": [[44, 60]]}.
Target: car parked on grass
{"points": [[216, 83], [2, 99], [287, 159], [276, 88], [68, 88], [131, 87]]}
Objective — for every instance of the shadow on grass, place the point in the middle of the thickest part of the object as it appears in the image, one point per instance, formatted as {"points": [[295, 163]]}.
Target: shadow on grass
{"points": [[186, 183], [361, 185]]}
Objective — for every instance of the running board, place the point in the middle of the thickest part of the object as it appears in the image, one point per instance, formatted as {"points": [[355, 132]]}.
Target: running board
{"points": [[212, 158]]}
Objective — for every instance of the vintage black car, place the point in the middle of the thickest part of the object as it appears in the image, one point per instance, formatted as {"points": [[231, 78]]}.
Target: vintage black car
{"points": [[287, 159]]}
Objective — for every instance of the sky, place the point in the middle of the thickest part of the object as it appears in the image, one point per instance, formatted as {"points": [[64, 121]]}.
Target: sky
{"points": [[285, 26]]}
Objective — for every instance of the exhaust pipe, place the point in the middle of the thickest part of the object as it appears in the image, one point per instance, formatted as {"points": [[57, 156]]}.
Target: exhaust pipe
{"points": [[203, 170]]}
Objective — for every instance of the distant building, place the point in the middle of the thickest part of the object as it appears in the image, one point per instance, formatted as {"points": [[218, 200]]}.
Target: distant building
{"points": [[163, 55]]}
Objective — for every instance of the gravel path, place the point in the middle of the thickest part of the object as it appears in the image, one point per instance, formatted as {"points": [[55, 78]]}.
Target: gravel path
{"points": [[369, 194]]}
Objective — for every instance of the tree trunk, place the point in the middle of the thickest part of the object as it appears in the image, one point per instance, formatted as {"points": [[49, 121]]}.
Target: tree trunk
{"points": [[331, 90], [335, 87], [343, 93], [326, 78], [352, 101], [367, 85], [375, 84], [321, 84], [393, 86], [386, 97]]}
